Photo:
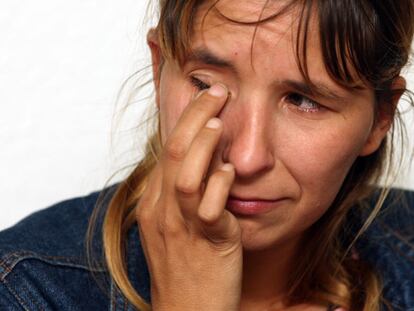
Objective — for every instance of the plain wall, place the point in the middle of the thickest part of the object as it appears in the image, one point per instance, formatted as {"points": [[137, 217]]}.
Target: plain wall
{"points": [[61, 66]]}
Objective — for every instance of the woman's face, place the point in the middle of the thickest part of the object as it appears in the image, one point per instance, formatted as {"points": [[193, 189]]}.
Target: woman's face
{"points": [[283, 142]]}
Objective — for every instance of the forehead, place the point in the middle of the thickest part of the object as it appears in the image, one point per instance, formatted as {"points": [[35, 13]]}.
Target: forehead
{"points": [[231, 29], [248, 11], [230, 16]]}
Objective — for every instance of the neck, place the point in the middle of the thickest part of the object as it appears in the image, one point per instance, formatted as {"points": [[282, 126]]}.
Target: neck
{"points": [[266, 273]]}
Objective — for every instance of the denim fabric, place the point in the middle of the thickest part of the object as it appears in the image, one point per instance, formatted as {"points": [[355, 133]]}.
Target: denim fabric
{"points": [[43, 264]]}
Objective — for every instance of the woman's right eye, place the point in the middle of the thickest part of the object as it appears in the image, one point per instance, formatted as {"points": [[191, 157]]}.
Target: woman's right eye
{"points": [[200, 85]]}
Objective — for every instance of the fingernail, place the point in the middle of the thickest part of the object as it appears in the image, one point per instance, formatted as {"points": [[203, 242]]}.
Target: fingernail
{"points": [[228, 167], [213, 123], [218, 90]]}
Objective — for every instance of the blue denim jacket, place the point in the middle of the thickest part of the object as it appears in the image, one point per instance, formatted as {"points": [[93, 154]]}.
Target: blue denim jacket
{"points": [[43, 263]]}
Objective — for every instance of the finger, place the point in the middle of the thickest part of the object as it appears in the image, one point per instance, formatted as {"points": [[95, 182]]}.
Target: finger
{"points": [[194, 167], [194, 117], [218, 224]]}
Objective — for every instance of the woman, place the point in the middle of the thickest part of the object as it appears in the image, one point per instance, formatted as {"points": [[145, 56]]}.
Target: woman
{"points": [[273, 118]]}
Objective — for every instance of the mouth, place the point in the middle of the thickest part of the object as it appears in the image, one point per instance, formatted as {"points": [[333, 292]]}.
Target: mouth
{"points": [[251, 206]]}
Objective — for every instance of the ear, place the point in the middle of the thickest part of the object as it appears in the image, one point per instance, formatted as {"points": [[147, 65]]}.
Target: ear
{"points": [[157, 60], [384, 119]]}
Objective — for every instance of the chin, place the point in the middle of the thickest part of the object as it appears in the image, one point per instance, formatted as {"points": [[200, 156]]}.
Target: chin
{"points": [[257, 238], [251, 247]]}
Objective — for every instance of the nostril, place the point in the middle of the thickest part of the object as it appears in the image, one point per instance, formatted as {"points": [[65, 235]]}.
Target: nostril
{"points": [[252, 162]]}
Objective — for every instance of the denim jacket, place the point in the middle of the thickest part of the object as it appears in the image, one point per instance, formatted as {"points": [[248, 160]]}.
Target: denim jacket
{"points": [[43, 263]]}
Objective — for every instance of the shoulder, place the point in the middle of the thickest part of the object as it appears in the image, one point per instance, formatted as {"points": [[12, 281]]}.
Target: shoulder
{"points": [[57, 231], [388, 245], [43, 257]]}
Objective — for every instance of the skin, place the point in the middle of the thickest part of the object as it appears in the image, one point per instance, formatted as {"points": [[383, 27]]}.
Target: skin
{"points": [[279, 146]]}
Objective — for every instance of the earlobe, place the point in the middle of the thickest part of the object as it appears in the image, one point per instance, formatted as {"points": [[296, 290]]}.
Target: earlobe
{"points": [[156, 58], [385, 119]]}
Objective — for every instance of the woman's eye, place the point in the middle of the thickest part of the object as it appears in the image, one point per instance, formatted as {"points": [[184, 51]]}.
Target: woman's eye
{"points": [[200, 85], [303, 103]]}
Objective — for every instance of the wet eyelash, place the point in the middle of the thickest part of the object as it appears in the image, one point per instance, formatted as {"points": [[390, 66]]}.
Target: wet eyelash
{"points": [[296, 98], [200, 85]]}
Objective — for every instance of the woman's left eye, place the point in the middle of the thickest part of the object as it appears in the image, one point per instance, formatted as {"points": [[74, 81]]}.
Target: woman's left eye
{"points": [[303, 103], [200, 85]]}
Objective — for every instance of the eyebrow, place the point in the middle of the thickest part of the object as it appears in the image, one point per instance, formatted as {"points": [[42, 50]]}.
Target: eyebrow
{"points": [[202, 55], [319, 89]]}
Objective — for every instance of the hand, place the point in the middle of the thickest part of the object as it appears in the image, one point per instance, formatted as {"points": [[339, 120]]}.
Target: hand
{"points": [[191, 243]]}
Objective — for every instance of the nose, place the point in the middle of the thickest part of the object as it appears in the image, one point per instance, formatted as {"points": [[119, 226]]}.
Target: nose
{"points": [[249, 140]]}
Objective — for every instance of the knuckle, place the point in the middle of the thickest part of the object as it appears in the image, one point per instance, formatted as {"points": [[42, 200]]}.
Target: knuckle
{"points": [[207, 220], [170, 227], [235, 232], [175, 150], [185, 186], [143, 206], [225, 247], [144, 217], [144, 202]]}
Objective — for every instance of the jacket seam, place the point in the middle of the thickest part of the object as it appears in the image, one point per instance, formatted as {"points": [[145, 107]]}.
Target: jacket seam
{"points": [[118, 300], [31, 298], [8, 263], [113, 296], [19, 300]]}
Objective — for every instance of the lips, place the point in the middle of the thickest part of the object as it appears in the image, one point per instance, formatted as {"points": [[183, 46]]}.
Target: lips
{"points": [[251, 206]]}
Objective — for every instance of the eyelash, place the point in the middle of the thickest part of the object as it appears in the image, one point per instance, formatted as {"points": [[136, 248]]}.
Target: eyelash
{"points": [[296, 98], [293, 98], [200, 85]]}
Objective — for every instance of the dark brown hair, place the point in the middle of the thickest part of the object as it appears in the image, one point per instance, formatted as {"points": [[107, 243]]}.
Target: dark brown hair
{"points": [[362, 41]]}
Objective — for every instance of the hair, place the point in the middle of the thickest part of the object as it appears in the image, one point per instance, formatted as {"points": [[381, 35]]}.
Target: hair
{"points": [[367, 37]]}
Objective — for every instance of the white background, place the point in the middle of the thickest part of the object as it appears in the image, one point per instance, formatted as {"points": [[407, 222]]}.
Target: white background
{"points": [[61, 66]]}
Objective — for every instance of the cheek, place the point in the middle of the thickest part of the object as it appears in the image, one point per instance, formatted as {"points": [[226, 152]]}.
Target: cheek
{"points": [[174, 95], [319, 160]]}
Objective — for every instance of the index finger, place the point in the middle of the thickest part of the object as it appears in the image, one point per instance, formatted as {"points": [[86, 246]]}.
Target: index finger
{"points": [[192, 120]]}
